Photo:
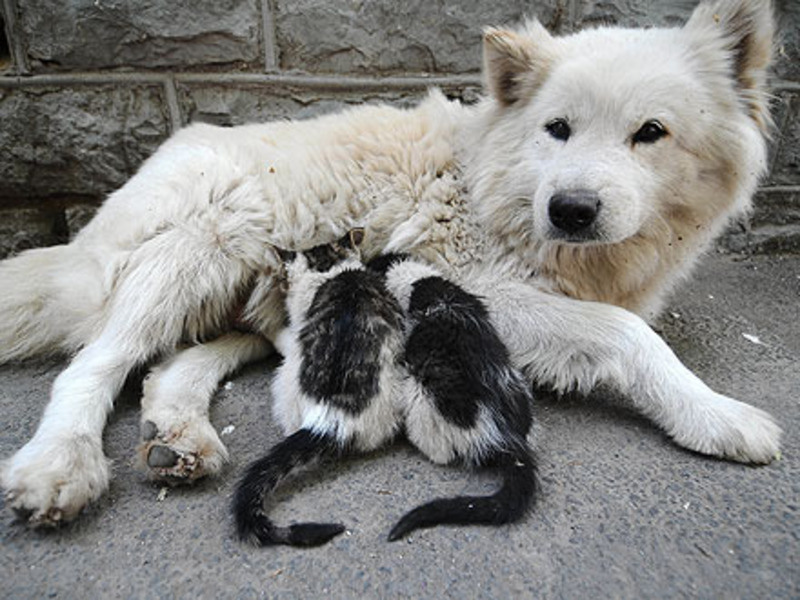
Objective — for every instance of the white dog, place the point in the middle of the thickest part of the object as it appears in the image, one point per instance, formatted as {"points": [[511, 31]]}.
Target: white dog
{"points": [[572, 198]]}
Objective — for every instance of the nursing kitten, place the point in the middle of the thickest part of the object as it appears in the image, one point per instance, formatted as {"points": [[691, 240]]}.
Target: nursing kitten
{"points": [[353, 375], [463, 400], [336, 389]]}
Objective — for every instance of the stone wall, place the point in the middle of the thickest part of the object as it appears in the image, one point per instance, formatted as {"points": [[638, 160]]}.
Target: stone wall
{"points": [[89, 88]]}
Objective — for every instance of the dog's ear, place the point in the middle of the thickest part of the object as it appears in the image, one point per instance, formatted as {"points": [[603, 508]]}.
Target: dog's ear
{"points": [[514, 63], [736, 36]]}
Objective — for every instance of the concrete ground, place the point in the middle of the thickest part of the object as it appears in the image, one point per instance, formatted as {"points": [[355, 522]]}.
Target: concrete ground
{"points": [[623, 514]]}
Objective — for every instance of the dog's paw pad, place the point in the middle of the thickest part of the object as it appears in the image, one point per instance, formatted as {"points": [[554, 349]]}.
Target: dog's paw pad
{"points": [[170, 464], [174, 467], [161, 457], [181, 454]]}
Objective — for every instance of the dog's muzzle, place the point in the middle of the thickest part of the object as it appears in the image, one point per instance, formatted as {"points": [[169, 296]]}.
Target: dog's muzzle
{"points": [[574, 212]]}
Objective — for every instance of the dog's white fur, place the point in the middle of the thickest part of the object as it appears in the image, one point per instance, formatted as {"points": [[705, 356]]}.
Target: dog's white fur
{"points": [[171, 254]]}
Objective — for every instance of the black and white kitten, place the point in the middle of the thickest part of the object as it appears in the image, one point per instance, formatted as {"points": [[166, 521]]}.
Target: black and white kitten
{"points": [[337, 387], [342, 387], [463, 400]]}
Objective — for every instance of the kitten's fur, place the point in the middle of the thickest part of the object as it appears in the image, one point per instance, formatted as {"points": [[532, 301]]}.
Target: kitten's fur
{"points": [[337, 386], [351, 378], [463, 399]]}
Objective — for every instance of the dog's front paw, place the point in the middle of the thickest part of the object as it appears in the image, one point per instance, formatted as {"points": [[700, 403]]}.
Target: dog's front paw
{"points": [[48, 481], [181, 453], [732, 430]]}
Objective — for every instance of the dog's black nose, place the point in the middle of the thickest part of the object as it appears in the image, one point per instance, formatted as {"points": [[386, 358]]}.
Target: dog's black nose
{"points": [[574, 210]]}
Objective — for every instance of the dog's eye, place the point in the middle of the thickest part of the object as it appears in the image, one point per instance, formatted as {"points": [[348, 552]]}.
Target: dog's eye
{"points": [[650, 132], [559, 129]]}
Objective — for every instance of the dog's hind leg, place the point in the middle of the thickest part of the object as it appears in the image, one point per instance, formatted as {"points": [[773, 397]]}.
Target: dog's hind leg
{"points": [[574, 345], [178, 441], [170, 286]]}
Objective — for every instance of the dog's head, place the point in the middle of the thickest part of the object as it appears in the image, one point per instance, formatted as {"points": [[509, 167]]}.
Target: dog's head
{"points": [[600, 136]]}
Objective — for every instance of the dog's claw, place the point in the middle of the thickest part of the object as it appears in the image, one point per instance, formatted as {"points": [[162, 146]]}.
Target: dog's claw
{"points": [[20, 512], [52, 518], [49, 518]]}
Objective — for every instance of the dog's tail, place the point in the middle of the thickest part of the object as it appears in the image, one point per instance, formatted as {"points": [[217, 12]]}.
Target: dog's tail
{"points": [[509, 504], [49, 301], [261, 479]]}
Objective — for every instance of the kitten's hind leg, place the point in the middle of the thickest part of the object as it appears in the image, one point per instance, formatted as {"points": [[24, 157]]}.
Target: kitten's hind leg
{"points": [[261, 479]]}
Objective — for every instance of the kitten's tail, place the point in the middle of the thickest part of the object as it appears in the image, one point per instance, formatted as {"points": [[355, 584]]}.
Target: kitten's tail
{"points": [[509, 504], [261, 479]]}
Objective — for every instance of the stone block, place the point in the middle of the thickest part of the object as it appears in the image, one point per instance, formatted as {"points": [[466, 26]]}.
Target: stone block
{"points": [[76, 217], [6, 61], [390, 37], [785, 151], [24, 228], [775, 240], [787, 56], [632, 13], [78, 141], [228, 106], [96, 34], [776, 207], [772, 228]]}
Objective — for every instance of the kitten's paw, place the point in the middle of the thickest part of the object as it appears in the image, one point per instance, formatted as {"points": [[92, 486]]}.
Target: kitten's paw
{"points": [[732, 430], [49, 481], [181, 453]]}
